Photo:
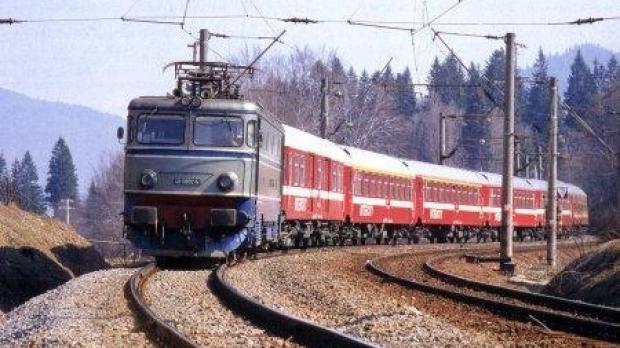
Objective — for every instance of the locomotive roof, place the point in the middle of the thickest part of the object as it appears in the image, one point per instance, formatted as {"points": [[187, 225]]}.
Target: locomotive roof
{"points": [[173, 103], [304, 141], [444, 173], [376, 162]]}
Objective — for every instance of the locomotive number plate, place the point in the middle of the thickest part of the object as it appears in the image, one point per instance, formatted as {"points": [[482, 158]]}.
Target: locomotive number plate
{"points": [[186, 181]]}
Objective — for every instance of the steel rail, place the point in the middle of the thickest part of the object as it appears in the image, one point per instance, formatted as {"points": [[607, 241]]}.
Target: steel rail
{"points": [[276, 321], [600, 312], [588, 327], [155, 328]]}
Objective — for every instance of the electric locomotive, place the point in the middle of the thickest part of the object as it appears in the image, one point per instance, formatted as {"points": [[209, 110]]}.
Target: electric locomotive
{"points": [[202, 167]]}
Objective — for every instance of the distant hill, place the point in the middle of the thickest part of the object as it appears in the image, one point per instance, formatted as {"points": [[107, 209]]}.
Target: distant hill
{"points": [[35, 125], [559, 63]]}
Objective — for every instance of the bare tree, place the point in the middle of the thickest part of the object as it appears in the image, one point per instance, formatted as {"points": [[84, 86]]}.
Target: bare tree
{"points": [[99, 215]]}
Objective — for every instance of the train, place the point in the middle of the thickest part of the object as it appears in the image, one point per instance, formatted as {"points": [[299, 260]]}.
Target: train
{"points": [[209, 174]]}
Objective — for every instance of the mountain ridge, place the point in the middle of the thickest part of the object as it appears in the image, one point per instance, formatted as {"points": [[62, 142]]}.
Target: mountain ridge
{"points": [[31, 124]]}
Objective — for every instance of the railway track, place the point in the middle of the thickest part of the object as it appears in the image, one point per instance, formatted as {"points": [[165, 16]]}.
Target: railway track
{"points": [[312, 334], [157, 330], [289, 326], [547, 311]]}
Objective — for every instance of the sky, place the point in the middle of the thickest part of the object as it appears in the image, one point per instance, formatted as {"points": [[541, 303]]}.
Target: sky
{"points": [[105, 64]]}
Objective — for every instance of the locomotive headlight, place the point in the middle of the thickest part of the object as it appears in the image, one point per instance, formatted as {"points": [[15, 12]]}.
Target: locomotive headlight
{"points": [[226, 182], [148, 179]]}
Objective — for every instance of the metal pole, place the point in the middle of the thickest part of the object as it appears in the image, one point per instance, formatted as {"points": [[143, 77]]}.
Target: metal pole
{"points": [[324, 107], [65, 204], [551, 214], [527, 166], [203, 42], [539, 170], [517, 156], [506, 232], [442, 138]]}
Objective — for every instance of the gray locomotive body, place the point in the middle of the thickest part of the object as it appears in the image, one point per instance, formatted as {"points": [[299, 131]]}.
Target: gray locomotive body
{"points": [[201, 179]]}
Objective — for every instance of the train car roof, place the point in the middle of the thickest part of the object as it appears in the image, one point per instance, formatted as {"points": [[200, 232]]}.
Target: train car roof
{"points": [[573, 190], [376, 162], [443, 173], [495, 180], [304, 141]]}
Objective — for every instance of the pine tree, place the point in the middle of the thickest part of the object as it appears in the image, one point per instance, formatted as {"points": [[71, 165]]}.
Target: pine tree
{"points": [[26, 180], [388, 76], [476, 131], [581, 87], [62, 179], [447, 76], [537, 107], [520, 97], [611, 73], [405, 97], [3, 170], [494, 72], [434, 77], [598, 73]]}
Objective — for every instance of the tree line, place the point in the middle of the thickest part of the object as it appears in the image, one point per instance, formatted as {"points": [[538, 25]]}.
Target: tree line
{"points": [[20, 183]]}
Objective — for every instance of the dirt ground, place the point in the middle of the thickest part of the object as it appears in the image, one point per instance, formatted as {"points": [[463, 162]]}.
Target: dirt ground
{"points": [[531, 273]]}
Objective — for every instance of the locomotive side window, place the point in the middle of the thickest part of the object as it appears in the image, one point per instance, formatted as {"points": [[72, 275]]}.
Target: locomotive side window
{"points": [[251, 134], [218, 131], [161, 129]]}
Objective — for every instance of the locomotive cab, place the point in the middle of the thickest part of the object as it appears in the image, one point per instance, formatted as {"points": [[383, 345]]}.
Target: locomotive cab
{"points": [[190, 175]]}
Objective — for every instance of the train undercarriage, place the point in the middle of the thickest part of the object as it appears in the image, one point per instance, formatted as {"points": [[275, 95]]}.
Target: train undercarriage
{"points": [[303, 234]]}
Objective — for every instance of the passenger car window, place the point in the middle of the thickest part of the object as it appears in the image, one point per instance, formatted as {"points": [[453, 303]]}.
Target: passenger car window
{"points": [[160, 129], [218, 131]]}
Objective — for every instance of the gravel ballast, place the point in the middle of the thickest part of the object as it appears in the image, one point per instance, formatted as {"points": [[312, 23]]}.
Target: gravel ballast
{"points": [[89, 311], [333, 289], [183, 299]]}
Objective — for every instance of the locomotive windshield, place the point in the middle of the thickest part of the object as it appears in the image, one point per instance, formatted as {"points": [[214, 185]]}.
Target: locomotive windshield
{"points": [[218, 131], [161, 129]]}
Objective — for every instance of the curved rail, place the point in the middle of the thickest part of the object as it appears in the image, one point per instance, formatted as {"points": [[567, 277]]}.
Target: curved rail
{"points": [[157, 330], [286, 325], [600, 312], [559, 321]]}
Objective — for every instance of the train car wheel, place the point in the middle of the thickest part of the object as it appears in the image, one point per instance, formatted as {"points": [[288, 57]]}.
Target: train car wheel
{"points": [[354, 241]]}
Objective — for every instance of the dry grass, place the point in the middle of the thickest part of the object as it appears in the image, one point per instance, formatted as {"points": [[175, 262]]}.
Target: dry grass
{"points": [[38, 253], [593, 277]]}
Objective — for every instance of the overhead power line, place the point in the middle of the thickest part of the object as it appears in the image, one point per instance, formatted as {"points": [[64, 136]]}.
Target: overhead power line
{"points": [[306, 20]]}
